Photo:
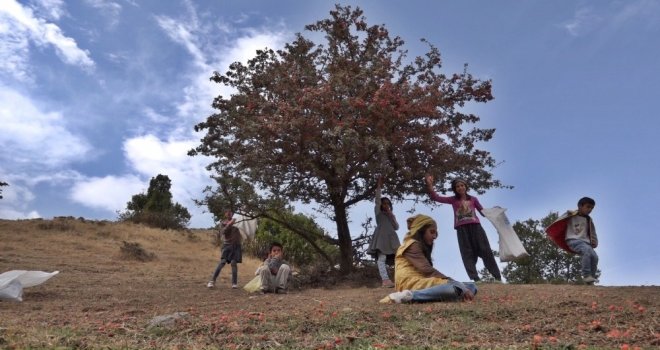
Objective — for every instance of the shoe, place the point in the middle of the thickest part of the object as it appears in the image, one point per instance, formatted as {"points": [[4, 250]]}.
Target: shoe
{"points": [[234, 286], [387, 284], [211, 284], [280, 291], [589, 279], [398, 297]]}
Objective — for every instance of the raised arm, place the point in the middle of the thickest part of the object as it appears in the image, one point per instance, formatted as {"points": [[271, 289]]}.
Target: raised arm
{"points": [[379, 185], [434, 196]]}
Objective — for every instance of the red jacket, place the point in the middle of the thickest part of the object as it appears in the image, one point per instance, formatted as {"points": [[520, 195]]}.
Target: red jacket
{"points": [[557, 231]]}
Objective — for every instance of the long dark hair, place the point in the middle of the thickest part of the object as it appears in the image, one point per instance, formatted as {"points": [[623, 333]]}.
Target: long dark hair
{"points": [[426, 249], [388, 201], [454, 183]]}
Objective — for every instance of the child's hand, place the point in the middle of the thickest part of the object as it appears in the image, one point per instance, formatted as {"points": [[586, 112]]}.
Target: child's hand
{"points": [[429, 180]]}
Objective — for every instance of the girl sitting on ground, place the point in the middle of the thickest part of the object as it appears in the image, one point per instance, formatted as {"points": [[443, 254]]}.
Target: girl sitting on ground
{"points": [[416, 279]]}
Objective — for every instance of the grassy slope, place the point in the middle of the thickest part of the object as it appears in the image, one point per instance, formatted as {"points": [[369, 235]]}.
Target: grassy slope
{"points": [[104, 300]]}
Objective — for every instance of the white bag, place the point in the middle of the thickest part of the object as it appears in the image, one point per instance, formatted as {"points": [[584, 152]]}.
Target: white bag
{"points": [[12, 282], [247, 227], [510, 246]]}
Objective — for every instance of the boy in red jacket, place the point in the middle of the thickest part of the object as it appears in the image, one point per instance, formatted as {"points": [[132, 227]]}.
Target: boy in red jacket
{"points": [[575, 232]]}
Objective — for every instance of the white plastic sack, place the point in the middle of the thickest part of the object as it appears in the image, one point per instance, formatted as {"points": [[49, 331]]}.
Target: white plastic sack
{"points": [[247, 227], [253, 285], [12, 282], [510, 246]]}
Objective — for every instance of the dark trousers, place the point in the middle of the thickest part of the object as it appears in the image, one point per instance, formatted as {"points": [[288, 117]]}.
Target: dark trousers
{"points": [[473, 244]]}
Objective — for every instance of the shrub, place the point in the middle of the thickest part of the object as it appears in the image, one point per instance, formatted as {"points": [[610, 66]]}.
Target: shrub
{"points": [[134, 251]]}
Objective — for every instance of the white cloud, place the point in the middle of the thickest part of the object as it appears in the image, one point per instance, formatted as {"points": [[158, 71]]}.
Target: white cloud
{"points": [[207, 58], [36, 137], [150, 156], [614, 17], [108, 193], [111, 10], [8, 213], [52, 9], [19, 25], [583, 21], [155, 117], [636, 10], [15, 202], [14, 52]]}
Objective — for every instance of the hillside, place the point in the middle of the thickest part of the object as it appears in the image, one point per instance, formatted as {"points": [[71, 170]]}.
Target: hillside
{"points": [[103, 299]]}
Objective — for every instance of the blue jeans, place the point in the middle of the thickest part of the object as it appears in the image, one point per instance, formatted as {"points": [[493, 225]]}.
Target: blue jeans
{"points": [[450, 291], [588, 256]]}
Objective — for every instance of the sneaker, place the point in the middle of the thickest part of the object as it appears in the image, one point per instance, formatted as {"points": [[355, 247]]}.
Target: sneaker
{"points": [[234, 286], [398, 297], [211, 284], [589, 279], [387, 284]]}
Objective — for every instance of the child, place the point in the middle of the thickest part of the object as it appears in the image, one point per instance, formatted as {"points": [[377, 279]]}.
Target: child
{"points": [[385, 241], [231, 250], [275, 271], [472, 240], [416, 278], [575, 232]]}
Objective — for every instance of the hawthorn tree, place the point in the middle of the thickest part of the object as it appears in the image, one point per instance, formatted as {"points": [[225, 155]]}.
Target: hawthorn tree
{"points": [[317, 122]]}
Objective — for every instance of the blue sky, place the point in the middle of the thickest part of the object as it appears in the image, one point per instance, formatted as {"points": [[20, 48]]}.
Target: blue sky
{"points": [[98, 96]]}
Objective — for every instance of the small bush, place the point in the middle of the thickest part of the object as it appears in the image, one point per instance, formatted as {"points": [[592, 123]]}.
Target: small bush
{"points": [[56, 224], [134, 251], [103, 234], [320, 275]]}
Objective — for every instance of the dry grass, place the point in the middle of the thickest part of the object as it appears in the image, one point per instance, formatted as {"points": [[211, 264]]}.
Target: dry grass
{"points": [[101, 299]]}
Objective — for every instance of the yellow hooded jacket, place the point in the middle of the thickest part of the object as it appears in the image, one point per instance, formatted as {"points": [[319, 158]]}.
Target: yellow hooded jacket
{"points": [[406, 276]]}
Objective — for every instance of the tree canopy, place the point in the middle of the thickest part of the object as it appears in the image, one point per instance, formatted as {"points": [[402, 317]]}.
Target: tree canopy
{"points": [[155, 208], [317, 122]]}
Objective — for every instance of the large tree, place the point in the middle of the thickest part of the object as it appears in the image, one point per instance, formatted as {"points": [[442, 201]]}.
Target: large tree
{"points": [[317, 122], [546, 262], [155, 208]]}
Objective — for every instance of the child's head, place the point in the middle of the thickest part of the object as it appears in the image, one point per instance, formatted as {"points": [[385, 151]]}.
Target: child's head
{"points": [[385, 202], [424, 230], [459, 186], [410, 220], [586, 205], [276, 248]]}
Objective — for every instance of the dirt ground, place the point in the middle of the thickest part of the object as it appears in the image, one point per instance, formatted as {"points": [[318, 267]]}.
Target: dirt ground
{"points": [[103, 299]]}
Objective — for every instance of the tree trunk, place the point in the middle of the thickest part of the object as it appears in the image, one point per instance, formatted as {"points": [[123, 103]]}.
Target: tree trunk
{"points": [[345, 242]]}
